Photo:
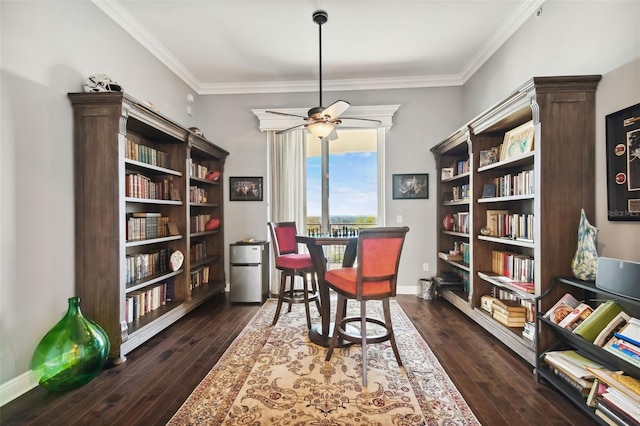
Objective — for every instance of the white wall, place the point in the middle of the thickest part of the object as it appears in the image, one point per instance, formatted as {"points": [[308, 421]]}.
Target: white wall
{"points": [[571, 38], [425, 116], [48, 48]]}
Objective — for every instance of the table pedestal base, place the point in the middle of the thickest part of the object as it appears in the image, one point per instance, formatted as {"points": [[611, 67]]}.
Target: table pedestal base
{"points": [[316, 336]]}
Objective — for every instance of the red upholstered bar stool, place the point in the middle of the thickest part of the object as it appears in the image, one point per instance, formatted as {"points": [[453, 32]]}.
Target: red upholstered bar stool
{"points": [[373, 278], [292, 264]]}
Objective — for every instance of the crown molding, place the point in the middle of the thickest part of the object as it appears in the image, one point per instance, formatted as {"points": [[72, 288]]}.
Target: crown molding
{"points": [[120, 15], [383, 113]]}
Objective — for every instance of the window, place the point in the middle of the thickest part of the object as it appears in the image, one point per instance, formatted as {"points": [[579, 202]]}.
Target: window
{"points": [[352, 196]]}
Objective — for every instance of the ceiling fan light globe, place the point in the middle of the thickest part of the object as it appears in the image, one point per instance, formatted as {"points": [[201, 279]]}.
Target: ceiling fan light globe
{"points": [[320, 129]]}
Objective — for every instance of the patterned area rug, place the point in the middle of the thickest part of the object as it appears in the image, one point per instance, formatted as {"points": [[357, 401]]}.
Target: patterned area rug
{"points": [[277, 376]]}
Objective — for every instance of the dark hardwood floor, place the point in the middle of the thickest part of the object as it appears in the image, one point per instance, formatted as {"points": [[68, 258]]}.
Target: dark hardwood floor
{"points": [[158, 376]]}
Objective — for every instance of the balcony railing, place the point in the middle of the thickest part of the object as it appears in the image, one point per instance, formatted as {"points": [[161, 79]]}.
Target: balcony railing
{"points": [[335, 253]]}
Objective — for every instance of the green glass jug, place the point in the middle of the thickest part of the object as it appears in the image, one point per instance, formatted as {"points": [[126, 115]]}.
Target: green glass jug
{"points": [[72, 353]]}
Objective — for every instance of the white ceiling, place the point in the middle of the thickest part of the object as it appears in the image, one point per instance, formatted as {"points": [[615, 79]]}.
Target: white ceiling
{"points": [[263, 46]]}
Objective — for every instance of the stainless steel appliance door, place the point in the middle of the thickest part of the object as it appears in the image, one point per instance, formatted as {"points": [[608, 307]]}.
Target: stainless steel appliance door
{"points": [[246, 283], [245, 254]]}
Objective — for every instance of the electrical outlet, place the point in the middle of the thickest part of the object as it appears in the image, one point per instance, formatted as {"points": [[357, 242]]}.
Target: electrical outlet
{"points": [[189, 110], [425, 267], [399, 218]]}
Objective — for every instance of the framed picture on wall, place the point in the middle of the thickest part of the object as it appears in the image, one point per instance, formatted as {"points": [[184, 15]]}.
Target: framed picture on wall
{"points": [[623, 164], [245, 189], [410, 186]]}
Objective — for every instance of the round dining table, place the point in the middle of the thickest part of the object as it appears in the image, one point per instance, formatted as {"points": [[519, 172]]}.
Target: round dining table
{"points": [[320, 334]]}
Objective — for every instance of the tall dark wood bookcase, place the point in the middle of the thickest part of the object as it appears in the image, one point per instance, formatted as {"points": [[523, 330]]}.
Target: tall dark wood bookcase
{"points": [[131, 161], [562, 162]]}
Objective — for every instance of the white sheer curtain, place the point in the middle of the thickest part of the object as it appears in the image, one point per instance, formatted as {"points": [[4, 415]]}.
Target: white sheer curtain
{"points": [[287, 177], [287, 183]]}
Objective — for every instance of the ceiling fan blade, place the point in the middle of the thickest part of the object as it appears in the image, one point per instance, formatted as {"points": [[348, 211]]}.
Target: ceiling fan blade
{"points": [[335, 109], [290, 128], [358, 122], [287, 114], [333, 135]]}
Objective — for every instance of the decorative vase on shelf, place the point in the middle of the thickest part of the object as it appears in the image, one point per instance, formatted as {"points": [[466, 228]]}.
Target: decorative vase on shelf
{"points": [[585, 262], [72, 353]]}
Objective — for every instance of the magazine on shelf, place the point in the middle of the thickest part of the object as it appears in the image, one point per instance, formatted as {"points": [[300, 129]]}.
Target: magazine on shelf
{"points": [[562, 308]]}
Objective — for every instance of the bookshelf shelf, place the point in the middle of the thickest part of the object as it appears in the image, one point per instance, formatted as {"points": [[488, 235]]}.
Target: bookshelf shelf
{"points": [[509, 198], [534, 205], [456, 178], [507, 241], [145, 167], [137, 150], [565, 339], [152, 279]]}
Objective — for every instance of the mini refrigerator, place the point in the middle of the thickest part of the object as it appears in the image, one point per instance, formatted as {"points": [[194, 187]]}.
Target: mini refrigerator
{"points": [[249, 264]]}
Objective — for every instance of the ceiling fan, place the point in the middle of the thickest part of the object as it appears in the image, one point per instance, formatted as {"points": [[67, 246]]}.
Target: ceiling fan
{"points": [[321, 121]]}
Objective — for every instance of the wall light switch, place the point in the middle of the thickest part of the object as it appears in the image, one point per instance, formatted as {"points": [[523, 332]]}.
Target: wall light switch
{"points": [[399, 219], [190, 110]]}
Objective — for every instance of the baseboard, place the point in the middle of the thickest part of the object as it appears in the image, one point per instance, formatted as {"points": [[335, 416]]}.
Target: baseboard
{"points": [[17, 387], [406, 289]]}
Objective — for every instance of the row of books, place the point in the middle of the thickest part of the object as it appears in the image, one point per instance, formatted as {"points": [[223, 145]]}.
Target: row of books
{"points": [[145, 154], [198, 222], [140, 303], [614, 396], [146, 227], [198, 170], [198, 251], [140, 186], [462, 166], [461, 222], [139, 266], [199, 278], [197, 195], [461, 192], [514, 266], [503, 224], [519, 184]]}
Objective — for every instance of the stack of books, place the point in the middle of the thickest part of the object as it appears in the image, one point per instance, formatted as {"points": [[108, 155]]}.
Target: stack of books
{"points": [[625, 343], [509, 312], [615, 397], [450, 280], [571, 368]]}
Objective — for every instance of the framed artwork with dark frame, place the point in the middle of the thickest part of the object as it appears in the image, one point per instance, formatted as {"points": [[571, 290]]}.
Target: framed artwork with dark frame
{"points": [[245, 189], [623, 164], [410, 186]]}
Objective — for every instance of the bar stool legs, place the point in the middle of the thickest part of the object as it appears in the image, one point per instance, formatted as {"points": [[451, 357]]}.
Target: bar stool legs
{"points": [[293, 295]]}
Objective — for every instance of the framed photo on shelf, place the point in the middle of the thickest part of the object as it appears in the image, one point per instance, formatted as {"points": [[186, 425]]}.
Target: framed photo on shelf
{"points": [[245, 189], [488, 156], [518, 141], [410, 186], [623, 164], [447, 173]]}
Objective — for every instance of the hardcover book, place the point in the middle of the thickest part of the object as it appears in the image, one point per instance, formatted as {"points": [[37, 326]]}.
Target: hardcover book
{"points": [[613, 327], [508, 306], [631, 331], [598, 320]]}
